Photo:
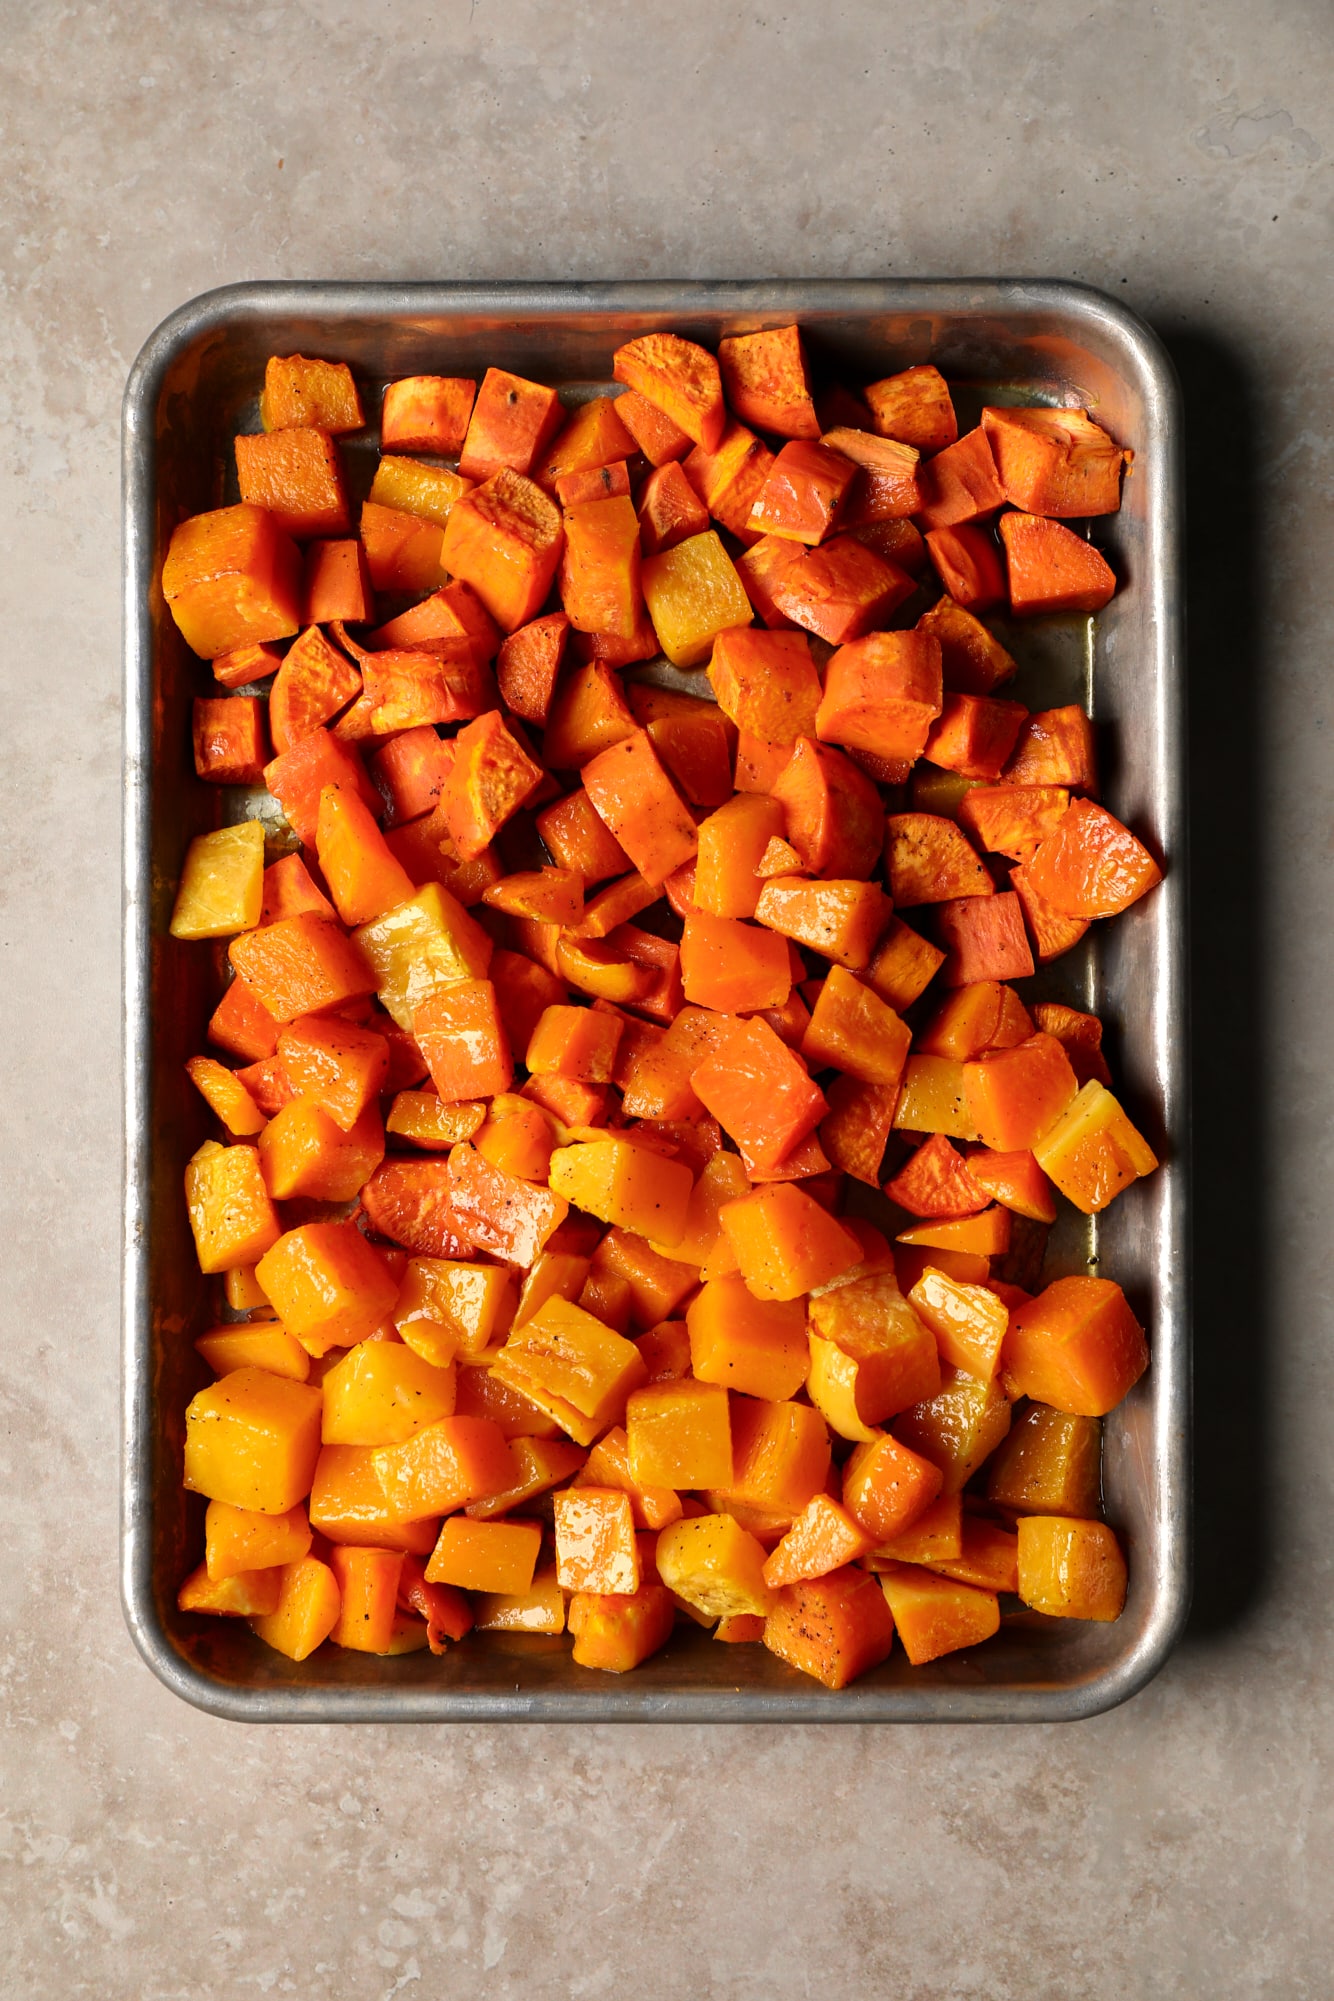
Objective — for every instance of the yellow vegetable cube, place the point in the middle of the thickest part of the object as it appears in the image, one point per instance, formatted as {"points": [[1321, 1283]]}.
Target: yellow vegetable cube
{"points": [[693, 593], [420, 946], [448, 1308], [932, 1098], [956, 1429], [306, 1612], [680, 1435], [486, 1556], [413, 488], [222, 883], [1093, 1151], [381, 1393], [240, 1539], [253, 1439], [238, 1597], [1069, 1569], [230, 1209], [716, 1566], [625, 1184], [263, 1344], [571, 1366]]}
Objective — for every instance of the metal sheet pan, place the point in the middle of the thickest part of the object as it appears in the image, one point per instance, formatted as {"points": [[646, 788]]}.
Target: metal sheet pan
{"points": [[193, 385]]}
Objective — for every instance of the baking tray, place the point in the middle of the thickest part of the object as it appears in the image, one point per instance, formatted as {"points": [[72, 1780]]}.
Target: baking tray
{"points": [[192, 387]]}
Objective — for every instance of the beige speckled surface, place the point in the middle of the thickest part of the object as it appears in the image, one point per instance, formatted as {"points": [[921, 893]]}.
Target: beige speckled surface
{"points": [[1178, 156]]}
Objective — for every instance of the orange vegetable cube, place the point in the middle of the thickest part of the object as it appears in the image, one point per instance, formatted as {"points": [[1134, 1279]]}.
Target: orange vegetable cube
{"points": [[835, 819], [1077, 1347], [443, 1466], [669, 510], [802, 492], [855, 1130], [595, 1541], [245, 1595], [225, 1094], [882, 694], [767, 381], [1013, 820], [232, 579], [528, 664], [540, 1463], [932, 1098], [229, 743], [658, 438], [571, 1366], [380, 1393], [758, 567], [1081, 1035], [512, 422], [872, 1354], [679, 379], [988, 1558], [302, 1152], [577, 837], [242, 1024], [540, 1609], [577, 1042], [929, 861], [755, 1346], [368, 1598], [616, 1632], [599, 577], [851, 1029], [658, 1281], [937, 1615], [1091, 865], [608, 1465], [1016, 1095], [462, 1037], [504, 538], [957, 1428], [824, 1537], [986, 1234], [320, 394], [934, 1535], [447, 1305], [968, 564], [731, 843], [759, 1091], [985, 1014], [487, 1556], [640, 806], [833, 1627], [1050, 1464], [517, 1137], [975, 734], [232, 1218], [729, 478], [336, 584], [780, 1457], [1016, 1181], [313, 683], [715, 1565], [297, 777], [289, 891], [913, 407], [936, 1181], [785, 1243], [262, 1345], [888, 1489], [624, 1184], [405, 486], [306, 1612], [1093, 1151], [693, 593], [766, 682], [341, 1066], [363, 875], [885, 490], [1069, 1569], [968, 1321], [679, 1435], [247, 664], [427, 413], [301, 965], [985, 939], [840, 590], [238, 1540], [973, 661], [329, 1287], [593, 441], [348, 1504], [1055, 462], [960, 483], [491, 776], [1051, 569], [252, 1439], [903, 966], [296, 475], [1055, 747], [733, 967]]}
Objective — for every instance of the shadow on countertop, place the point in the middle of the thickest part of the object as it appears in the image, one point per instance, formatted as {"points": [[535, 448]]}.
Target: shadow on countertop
{"points": [[1226, 672]]}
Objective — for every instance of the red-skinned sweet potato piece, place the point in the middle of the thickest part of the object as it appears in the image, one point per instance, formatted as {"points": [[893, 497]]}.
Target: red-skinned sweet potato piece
{"points": [[678, 378], [984, 939], [935, 1181]]}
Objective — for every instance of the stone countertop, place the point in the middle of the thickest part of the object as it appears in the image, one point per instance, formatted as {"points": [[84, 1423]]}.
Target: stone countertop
{"points": [[1177, 157]]}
